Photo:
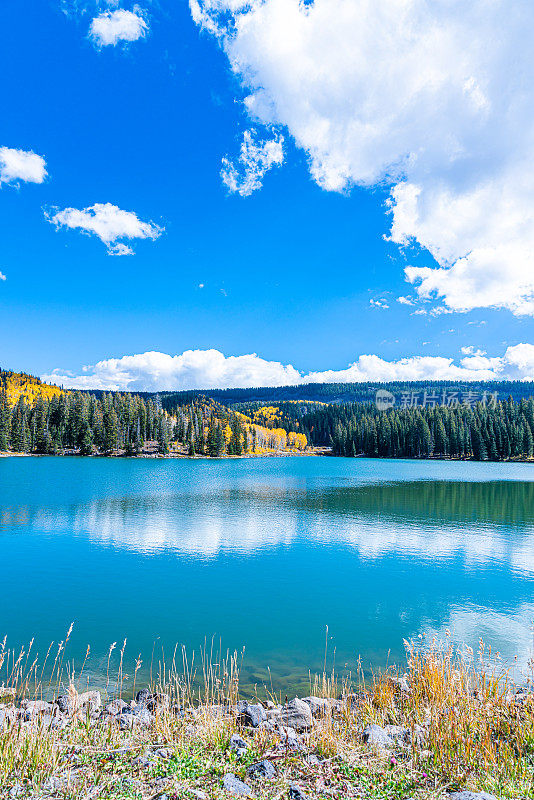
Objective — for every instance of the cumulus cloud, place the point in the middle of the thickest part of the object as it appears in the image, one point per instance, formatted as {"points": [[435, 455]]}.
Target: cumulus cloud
{"points": [[255, 159], [109, 223], [193, 369], [112, 27], [379, 304], [21, 165], [2, 277], [211, 369], [435, 99]]}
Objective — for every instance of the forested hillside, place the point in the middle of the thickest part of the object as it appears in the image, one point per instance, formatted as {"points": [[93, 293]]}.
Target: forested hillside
{"points": [[348, 392], [482, 431], [18, 384], [457, 423], [125, 424]]}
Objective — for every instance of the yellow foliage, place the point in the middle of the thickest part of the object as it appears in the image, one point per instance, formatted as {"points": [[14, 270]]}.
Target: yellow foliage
{"points": [[296, 441], [17, 384], [267, 414]]}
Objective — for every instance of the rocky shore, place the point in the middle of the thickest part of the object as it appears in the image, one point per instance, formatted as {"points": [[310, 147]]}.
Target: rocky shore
{"points": [[311, 748]]}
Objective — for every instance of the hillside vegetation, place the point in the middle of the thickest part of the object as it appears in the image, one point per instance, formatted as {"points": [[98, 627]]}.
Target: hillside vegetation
{"points": [[473, 423], [116, 423], [349, 392], [18, 384]]}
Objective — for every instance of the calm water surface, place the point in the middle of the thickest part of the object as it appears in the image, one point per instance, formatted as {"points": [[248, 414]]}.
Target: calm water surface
{"points": [[265, 554]]}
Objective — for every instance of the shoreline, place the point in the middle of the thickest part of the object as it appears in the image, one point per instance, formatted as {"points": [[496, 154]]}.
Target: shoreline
{"points": [[394, 738], [165, 456], [316, 452]]}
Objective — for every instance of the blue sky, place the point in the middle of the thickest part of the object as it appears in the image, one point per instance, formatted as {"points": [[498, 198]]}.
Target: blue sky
{"points": [[292, 272]]}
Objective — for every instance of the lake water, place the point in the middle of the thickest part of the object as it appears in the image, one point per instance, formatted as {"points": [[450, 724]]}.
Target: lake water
{"points": [[264, 554]]}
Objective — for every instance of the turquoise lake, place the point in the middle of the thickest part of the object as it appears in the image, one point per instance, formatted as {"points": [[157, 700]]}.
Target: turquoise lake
{"points": [[265, 554]]}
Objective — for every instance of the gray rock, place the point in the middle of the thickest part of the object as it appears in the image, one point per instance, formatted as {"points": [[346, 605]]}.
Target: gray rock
{"points": [[7, 715], [261, 769], [270, 723], [63, 703], [47, 720], [297, 714], [216, 711], [238, 745], [89, 701], [116, 707], [471, 796], [59, 722], [142, 696], [401, 736], [289, 739], [86, 703], [521, 697], [126, 721], [377, 736], [140, 711], [313, 760], [318, 705], [296, 793], [16, 790], [34, 708], [199, 794], [37, 706], [251, 714], [142, 718], [235, 786]]}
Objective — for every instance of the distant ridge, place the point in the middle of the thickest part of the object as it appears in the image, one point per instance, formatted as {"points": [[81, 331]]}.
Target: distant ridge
{"points": [[346, 392]]}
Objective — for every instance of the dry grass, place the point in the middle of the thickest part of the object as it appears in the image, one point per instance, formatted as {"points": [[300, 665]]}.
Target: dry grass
{"points": [[468, 728]]}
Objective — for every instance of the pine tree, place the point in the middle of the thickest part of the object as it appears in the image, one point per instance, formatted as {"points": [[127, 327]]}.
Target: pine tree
{"points": [[42, 440], [86, 443], [5, 422], [111, 430], [163, 436]]}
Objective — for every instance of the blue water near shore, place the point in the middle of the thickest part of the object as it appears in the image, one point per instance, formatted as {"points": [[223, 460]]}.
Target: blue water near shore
{"points": [[265, 554]]}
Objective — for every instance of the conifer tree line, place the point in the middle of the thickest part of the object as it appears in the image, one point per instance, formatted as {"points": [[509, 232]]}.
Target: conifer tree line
{"points": [[122, 423], [84, 422], [481, 432]]}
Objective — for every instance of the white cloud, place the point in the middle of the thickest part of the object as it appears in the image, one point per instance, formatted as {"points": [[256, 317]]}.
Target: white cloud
{"points": [[405, 301], [436, 99], [255, 159], [191, 370], [109, 223], [210, 369], [379, 304], [2, 277], [21, 165], [470, 350], [112, 27]]}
